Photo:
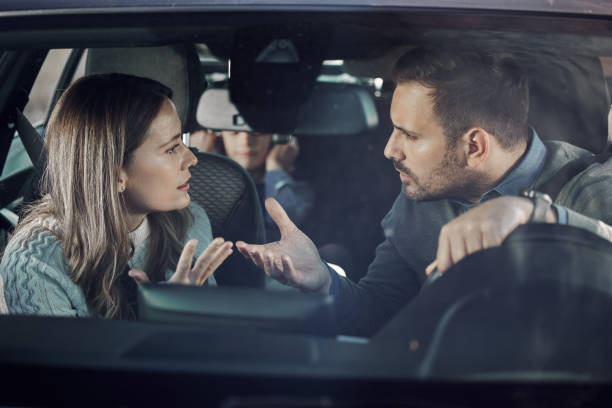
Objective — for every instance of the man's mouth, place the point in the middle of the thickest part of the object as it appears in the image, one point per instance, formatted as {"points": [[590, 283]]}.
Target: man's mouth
{"points": [[404, 173], [404, 177]]}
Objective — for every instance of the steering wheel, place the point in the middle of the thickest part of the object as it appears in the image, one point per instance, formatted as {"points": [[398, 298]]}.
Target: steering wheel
{"points": [[539, 303]]}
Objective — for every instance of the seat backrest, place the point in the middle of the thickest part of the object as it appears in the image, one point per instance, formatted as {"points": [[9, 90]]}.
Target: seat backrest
{"points": [[176, 66], [228, 195], [568, 99]]}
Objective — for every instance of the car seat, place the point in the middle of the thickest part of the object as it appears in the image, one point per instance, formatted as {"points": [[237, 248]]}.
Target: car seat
{"points": [[228, 194], [568, 99], [220, 186], [176, 66]]}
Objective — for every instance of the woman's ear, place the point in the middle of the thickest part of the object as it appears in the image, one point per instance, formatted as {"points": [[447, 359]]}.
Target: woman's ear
{"points": [[476, 143], [122, 183]]}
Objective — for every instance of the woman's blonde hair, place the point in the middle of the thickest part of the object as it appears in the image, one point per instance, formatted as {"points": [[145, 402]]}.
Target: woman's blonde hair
{"points": [[95, 126]]}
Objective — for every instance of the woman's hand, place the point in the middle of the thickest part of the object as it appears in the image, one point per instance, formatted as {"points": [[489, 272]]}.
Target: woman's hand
{"points": [[214, 255]]}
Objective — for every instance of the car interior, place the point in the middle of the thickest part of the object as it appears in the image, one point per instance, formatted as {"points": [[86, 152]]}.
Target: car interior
{"points": [[325, 79]]}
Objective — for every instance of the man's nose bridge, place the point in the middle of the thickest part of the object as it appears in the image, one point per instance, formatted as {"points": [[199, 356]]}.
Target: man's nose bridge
{"points": [[390, 147]]}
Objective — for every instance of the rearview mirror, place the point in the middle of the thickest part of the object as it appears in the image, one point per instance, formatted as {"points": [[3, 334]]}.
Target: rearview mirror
{"points": [[331, 109]]}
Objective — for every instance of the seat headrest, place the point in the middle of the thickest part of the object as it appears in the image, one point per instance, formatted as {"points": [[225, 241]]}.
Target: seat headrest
{"points": [[568, 99], [175, 66]]}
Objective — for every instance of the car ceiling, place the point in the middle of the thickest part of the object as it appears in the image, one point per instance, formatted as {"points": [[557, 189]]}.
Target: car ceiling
{"points": [[577, 7], [341, 35]]}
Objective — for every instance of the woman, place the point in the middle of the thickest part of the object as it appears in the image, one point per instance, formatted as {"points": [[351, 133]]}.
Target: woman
{"points": [[117, 207]]}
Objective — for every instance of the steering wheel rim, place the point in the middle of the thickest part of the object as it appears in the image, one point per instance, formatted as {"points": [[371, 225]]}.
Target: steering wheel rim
{"points": [[565, 264]]}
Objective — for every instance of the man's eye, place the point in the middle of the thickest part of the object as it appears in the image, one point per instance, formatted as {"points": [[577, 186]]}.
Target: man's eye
{"points": [[172, 149], [407, 135]]}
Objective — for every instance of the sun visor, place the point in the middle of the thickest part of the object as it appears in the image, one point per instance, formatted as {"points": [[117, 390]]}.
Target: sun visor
{"points": [[331, 109]]}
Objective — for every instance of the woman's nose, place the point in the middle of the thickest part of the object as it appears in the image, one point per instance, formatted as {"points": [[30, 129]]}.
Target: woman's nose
{"points": [[191, 159]]}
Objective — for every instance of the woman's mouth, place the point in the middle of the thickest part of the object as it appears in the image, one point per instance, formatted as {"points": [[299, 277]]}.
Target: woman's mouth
{"points": [[184, 187]]}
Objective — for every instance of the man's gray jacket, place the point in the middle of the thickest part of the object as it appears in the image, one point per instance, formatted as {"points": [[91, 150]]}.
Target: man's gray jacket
{"points": [[411, 232]]}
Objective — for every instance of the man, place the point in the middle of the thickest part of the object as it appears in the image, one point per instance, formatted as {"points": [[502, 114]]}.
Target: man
{"points": [[462, 149]]}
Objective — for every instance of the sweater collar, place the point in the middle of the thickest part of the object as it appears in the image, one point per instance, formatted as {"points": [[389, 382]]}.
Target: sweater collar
{"points": [[139, 236]]}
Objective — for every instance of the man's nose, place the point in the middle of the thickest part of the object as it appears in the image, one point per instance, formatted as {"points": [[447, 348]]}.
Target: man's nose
{"points": [[392, 149]]}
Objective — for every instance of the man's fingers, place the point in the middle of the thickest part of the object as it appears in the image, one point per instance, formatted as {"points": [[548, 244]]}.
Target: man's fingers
{"points": [[249, 252], [279, 216], [431, 267], [473, 242], [458, 249], [139, 276], [184, 264], [490, 240], [257, 258], [270, 268], [243, 248], [443, 256], [289, 271]]}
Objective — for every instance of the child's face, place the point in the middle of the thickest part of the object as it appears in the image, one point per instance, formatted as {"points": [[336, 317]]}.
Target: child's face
{"points": [[248, 149]]}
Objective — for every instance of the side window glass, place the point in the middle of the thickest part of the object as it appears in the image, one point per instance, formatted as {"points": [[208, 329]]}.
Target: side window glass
{"points": [[39, 106], [42, 92]]}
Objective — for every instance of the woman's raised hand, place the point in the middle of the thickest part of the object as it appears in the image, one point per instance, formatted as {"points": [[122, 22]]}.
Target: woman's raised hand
{"points": [[186, 273]]}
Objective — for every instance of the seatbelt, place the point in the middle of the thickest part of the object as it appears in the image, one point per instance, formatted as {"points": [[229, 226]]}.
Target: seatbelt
{"points": [[32, 141], [553, 186], [35, 148]]}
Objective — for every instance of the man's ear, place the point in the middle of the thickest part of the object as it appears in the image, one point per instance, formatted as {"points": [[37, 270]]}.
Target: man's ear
{"points": [[476, 144]]}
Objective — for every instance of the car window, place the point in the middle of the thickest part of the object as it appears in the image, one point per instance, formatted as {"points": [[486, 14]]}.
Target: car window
{"points": [[36, 110], [43, 89]]}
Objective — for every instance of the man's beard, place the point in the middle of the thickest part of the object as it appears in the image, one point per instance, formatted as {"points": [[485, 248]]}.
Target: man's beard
{"points": [[451, 179]]}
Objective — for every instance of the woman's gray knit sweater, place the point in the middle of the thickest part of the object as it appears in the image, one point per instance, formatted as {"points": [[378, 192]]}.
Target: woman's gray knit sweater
{"points": [[34, 272]]}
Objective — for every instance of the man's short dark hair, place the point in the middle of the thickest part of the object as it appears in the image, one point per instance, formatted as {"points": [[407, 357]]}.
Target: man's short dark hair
{"points": [[471, 89]]}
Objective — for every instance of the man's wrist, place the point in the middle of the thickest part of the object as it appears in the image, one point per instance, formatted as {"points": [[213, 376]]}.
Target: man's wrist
{"points": [[541, 206], [551, 215], [327, 286]]}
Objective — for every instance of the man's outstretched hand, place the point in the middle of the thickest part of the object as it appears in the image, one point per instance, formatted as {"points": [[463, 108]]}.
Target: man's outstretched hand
{"points": [[294, 260]]}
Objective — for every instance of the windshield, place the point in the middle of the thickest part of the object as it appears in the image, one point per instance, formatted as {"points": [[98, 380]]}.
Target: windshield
{"points": [[432, 191]]}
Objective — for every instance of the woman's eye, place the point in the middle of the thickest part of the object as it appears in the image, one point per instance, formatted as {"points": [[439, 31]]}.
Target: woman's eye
{"points": [[172, 149]]}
